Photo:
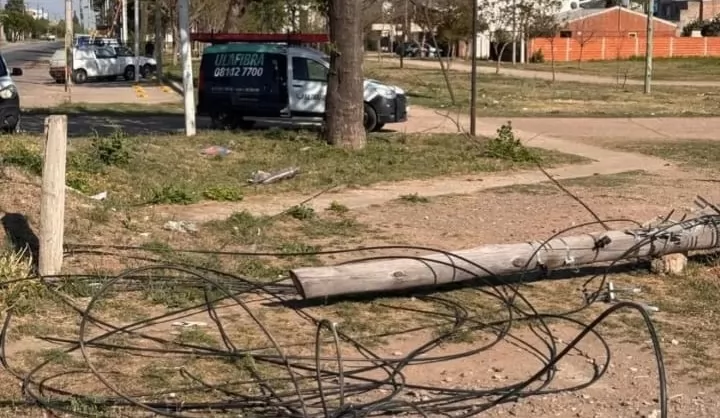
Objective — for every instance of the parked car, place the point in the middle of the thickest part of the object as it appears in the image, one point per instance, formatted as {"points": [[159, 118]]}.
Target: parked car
{"points": [[415, 49], [99, 63], [9, 98], [49, 37]]}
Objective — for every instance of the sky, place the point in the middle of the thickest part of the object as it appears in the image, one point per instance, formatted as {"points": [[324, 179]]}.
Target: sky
{"points": [[56, 9]]}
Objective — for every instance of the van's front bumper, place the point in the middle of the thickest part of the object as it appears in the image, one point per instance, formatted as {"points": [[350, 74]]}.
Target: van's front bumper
{"points": [[390, 110], [9, 113]]}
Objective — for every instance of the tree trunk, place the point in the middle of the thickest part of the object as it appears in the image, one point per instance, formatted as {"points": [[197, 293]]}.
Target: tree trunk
{"points": [[344, 101]]}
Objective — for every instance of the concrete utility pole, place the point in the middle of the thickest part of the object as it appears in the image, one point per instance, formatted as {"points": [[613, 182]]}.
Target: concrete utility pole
{"points": [[124, 22], [136, 18], [506, 259], [69, 48], [473, 70], [406, 38], [649, 46], [159, 40], [188, 88]]}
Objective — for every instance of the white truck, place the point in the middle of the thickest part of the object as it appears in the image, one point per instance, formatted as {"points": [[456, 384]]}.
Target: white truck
{"points": [[100, 63]]}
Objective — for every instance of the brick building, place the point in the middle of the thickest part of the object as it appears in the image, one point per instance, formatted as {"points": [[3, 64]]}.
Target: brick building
{"points": [[618, 33], [686, 11], [611, 22]]}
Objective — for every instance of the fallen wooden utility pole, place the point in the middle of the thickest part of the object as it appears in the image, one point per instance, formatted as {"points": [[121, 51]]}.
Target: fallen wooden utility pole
{"points": [[502, 260]]}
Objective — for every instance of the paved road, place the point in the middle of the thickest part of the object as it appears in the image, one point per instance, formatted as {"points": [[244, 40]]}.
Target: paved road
{"points": [[18, 55]]}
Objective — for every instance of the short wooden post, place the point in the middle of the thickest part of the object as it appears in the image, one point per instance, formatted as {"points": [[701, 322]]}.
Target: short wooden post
{"points": [[52, 207]]}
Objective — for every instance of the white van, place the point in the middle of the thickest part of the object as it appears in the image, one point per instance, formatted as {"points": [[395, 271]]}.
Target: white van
{"points": [[103, 63], [244, 83]]}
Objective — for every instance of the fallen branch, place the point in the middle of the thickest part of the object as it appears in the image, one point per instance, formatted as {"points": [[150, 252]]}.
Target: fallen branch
{"points": [[502, 260]]}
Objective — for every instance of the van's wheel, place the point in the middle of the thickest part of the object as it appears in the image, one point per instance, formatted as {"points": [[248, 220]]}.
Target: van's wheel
{"points": [[378, 127], [146, 71], [223, 121], [80, 76], [129, 73], [370, 119], [245, 124]]}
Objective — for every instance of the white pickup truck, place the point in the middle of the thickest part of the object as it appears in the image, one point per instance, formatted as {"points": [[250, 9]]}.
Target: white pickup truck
{"points": [[100, 63]]}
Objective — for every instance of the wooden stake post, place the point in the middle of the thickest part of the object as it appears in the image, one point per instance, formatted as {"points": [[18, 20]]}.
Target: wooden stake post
{"points": [[504, 260], [52, 207]]}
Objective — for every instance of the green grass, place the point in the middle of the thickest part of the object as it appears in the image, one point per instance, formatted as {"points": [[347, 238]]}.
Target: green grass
{"points": [[675, 69], [500, 95], [699, 154], [123, 109], [617, 180], [171, 170]]}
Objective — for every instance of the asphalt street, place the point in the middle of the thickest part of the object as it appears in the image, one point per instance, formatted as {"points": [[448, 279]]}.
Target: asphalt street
{"points": [[17, 55]]}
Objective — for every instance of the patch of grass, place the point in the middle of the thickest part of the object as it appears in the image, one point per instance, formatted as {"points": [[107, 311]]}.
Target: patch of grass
{"points": [[223, 193], [505, 96], [699, 154], [597, 181], [120, 109], [414, 198], [22, 156], [169, 169], [337, 207], [681, 68]]}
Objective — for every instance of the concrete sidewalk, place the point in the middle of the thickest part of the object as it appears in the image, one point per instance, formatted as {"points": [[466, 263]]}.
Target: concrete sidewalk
{"points": [[38, 90], [546, 75]]}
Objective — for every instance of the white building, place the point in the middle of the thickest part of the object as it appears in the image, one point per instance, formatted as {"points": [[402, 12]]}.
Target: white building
{"points": [[38, 13]]}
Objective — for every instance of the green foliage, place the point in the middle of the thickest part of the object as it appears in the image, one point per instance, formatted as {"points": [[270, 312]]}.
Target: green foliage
{"points": [[506, 146], [301, 212], [20, 156], [706, 27], [537, 57], [110, 151], [172, 194], [223, 194]]}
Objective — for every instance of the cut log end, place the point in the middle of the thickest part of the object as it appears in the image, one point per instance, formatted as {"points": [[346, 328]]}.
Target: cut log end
{"points": [[298, 284], [670, 264]]}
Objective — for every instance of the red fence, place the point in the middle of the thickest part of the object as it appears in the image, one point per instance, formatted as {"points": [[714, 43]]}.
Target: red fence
{"points": [[610, 48]]}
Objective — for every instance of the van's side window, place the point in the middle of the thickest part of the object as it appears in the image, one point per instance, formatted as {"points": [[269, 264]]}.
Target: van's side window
{"points": [[305, 69], [104, 53]]}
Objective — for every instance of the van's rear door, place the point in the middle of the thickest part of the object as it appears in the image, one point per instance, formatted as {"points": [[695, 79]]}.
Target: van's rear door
{"points": [[243, 79]]}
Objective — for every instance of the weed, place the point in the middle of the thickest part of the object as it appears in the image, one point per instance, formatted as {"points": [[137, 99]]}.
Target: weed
{"points": [[301, 212], [195, 336], [173, 194], [505, 146], [20, 156], [111, 151], [414, 198], [296, 247], [17, 293], [337, 207], [223, 194], [244, 225], [323, 227]]}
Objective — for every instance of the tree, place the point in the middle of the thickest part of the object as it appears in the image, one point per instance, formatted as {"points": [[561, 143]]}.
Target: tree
{"points": [[540, 21], [344, 101], [499, 15], [15, 6], [585, 34]]}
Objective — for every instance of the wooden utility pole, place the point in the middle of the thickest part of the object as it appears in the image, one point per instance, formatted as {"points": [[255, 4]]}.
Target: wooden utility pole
{"points": [[344, 106], [649, 46], [506, 259], [52, 205]]}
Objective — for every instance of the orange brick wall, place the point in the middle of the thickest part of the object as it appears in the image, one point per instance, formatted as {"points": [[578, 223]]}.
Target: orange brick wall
{"points": [[619, 47]]}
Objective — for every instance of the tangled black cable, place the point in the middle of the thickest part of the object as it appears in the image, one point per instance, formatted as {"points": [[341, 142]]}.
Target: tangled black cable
{"points": [[352, 381]]}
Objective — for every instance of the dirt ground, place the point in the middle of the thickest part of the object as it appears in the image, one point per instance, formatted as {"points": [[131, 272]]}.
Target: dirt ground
{"points": [[392, 327]]}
